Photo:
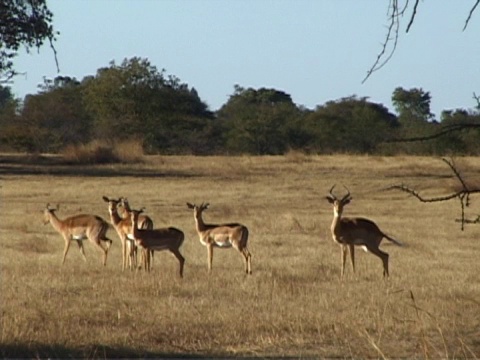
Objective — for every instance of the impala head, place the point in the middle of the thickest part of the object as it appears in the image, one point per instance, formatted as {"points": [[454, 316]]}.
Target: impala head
{"points": [[197, 210], [124, 203], [338, 204], [134, 214], [112, 204], [47, 212]]}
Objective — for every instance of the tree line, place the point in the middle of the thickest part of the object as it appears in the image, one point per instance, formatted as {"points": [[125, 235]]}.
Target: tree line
{"points": [[135, 100]]}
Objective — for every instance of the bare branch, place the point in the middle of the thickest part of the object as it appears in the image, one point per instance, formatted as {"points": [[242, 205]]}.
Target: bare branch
{"points": [[462, 195], [445, 130], [393, 15], [392, 28], [419, 197], [414, 13], [477, 99], [472, 10]]}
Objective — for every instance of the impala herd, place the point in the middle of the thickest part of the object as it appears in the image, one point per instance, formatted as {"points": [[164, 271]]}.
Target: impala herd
{"points": [[139, 237]]}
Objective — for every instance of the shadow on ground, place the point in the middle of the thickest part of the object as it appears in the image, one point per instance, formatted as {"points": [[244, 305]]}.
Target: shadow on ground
{"points": [[50, 165], [56, 351]]}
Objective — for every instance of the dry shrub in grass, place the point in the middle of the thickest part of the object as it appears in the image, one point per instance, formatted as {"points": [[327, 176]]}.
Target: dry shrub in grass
{"points": [[129, 151], [96, 152], [297, 156]]}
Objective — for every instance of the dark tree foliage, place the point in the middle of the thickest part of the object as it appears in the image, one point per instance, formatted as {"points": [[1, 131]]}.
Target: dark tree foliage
{"points": [[135, 100], [351, 124], [257, 121], [25, 23]]}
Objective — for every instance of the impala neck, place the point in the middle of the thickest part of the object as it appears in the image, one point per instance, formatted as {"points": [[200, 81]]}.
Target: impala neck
{"points": [[337, 215], [114, 216], [56, 222], [134, 218], [199, 222]]}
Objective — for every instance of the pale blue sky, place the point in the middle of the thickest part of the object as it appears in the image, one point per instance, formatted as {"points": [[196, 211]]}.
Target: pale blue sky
{"points": [[314, 50]]}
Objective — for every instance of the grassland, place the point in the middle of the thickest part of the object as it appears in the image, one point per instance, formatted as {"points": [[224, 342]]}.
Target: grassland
{"points": [[294, 304]]}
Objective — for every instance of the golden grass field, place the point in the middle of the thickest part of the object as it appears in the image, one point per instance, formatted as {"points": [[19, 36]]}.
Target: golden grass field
{"points": [[295, 303]]}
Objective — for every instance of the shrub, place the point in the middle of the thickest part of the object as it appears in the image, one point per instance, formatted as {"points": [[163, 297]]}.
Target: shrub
{"points": [[95, 152]]}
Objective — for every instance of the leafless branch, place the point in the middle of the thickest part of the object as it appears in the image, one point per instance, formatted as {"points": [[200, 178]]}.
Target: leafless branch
{"points": [[445, 130], [392, 28], [394, 14], [472, 10], [462, 195], [477, 99], [412, 18]]}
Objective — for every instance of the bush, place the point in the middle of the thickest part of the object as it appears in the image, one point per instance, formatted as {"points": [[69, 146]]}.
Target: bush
{"points": [[95, 152]]}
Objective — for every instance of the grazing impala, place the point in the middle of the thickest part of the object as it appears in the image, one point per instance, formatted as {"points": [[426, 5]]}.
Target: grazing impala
{"points": [[144, 222], [351, 232], [78, 228], [157, 240], [124, 230], [222, 236]]}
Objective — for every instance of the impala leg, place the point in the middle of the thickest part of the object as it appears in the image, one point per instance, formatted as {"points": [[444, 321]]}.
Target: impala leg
{"points": [[382, 255], [65, 250], [124, 253], [97, 242], [351, 249], [210, 257], [344, 257], [248, 266], [82, 250], [149, 259], [181, 260]]}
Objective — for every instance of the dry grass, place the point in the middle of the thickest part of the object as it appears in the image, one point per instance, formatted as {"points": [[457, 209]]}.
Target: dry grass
{"points": [[294, 304]]}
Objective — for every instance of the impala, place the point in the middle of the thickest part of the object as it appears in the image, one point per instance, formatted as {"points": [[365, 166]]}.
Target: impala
{"points": [[144, 222], [124, 230], [78, 228], [351, 232], [157, 240], [222, 236]]}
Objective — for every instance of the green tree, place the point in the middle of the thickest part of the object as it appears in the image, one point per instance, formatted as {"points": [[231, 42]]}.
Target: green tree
{"points": [[256, 121], [466, 141], [25, 23], [349, 125], [57, 114], [134, 99], [9, 138], [416, 119]]}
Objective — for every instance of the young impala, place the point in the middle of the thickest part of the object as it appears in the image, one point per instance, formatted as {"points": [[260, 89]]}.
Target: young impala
{"points": [[144, 222], [123, 228], [351, 232], [78, 228], [157, 240], [222, 236]]}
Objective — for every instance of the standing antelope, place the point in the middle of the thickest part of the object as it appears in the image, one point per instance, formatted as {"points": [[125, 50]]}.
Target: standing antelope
{"points": [[78, 228], [157, 240], [222, 236], [351, 232], [124, 230], [144, 222]]}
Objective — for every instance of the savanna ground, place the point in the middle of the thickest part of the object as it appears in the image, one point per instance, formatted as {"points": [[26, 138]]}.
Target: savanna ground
{"points": [[294, 304]]}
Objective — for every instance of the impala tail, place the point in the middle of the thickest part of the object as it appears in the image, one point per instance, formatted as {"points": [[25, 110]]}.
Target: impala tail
{"points": [[396, 242]]}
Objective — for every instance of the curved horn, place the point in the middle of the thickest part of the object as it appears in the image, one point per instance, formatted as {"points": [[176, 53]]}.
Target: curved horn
{"points": [[348, 194], [331, 192]]}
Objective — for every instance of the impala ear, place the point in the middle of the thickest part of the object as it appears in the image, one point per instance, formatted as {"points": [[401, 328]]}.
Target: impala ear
{"points": [[330, 199], [190, 206], [105, 199], [206, 205]]}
